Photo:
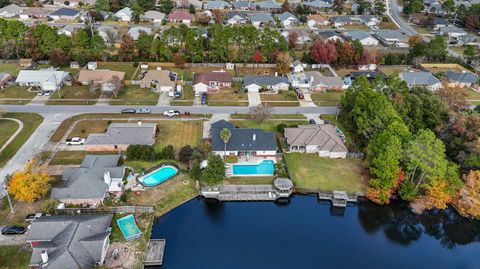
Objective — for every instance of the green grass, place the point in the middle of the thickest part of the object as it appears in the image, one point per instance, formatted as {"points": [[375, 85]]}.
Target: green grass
{"points": [[281, 104], [178, 134], [282, 96], [227, 98], [329, 98], [325, 174], [268, 125], [134, 95], [30, 122], [15, 257], [181, 102], [16, 92], [273, 116], [473, 95], [73, 95], [128, 68], [7, 129], [11, 68]]}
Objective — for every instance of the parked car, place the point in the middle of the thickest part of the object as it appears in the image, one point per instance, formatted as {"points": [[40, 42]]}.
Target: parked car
{"points": [[178, 94], [10, 230], [75, 141], [204, 99], [300, 96], [48, 93], [32, 217], [143, 111], [171, 113], [312, 121], [128, 111]]}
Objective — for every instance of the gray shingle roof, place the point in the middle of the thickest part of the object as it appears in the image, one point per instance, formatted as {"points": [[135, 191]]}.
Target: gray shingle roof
{"points": [[285, 16], [65, 12], [221, 124], [462, 77], [325, 137], [268, 5], [231, 15], [358, 35], [317, 4], [419, 78], [124, 134], [263, 80], [243, 5], [244, 139], [262, 17], [70, 241], [86, 181], [216, 4], [391, 34]]}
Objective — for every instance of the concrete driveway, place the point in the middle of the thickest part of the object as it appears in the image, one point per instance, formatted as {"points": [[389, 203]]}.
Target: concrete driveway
{"points": [[8, 240], [163, 99], [254, 99]]}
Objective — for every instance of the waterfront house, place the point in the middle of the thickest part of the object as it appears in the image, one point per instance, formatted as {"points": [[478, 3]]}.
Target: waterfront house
{"points": [[121, 135], [181, 16], [65, 14], [135, 32], [287, 19], [125, 14], [261, 19], [69, 242], [10, 11], [211, 81], [97, 177], [100, 76], [361, 36], [265, 83], [462, 79], [153, 16], [159, 80], [244, 142], [324, 139], [393, 38], [46, 79], [421, 79], [236, 17]]}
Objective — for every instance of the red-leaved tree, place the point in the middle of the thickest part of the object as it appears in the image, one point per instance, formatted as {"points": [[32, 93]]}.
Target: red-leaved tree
{"points": [[323, 52], [292, 40], [257, 57]]}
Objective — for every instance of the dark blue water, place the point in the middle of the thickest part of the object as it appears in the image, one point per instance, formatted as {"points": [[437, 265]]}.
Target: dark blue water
{"points": [[307, 234]]}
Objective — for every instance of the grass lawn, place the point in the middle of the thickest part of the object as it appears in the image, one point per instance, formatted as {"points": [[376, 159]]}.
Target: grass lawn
{"points": [[134, 95], [248, 180], [178, 134], [328, 98], [73, 157], [11, 68], [311, 171], [227, 98], [30, 122], [280, 99], [355, 27], [473, 95], [16, 92], [281, 103], [73, 95], [7, 129], [15, 257], [389, 70], [388, 25], [268, 125], [86, 127], [273, 116], [128, 68]]}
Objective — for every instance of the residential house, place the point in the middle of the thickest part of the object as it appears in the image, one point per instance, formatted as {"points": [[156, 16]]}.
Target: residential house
{"points": [[70, 29], [368, 20], [135, 32], [10, 11], [181, 16], [236, 17], [244, 142], [297, 67], [186, 4], [153, 16], [318, 4], [451, 31], [287, 19], [363, 37], [102, 77], [440, 23], [65, 14], [34, 13], [121, 135], [46, 79], [329, 36], [125, 14], [97, 177], [4, 79], [74, 3], [317, 20], [26, 63], [303, 37], [421, 79], [159, 80], [92, 65], [211, 81], [462, 79], [321, 83], [244, 5], [392, 38], [216, 4], [109, 34], [300, 81], [261, 19], [69, 241], [324, 139], [370, 75], [268, 83], [269, 5]]}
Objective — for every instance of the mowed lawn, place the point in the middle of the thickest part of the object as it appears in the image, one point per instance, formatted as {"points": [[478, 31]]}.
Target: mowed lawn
{"points": [[128, 68], [268, 125], [15, 257], [134, 95], [178, 134], [73, 95], [329, 98], [325, 174], [11, 68], [7, 129], [18, 93]]}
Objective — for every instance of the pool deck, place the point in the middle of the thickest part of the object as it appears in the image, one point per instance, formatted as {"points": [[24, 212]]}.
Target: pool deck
{"points": [[241, 193], [154, 253]]}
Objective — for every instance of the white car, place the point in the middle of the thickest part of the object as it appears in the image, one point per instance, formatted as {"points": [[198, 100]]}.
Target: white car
{"points": [[171, 113], [75, 141]]}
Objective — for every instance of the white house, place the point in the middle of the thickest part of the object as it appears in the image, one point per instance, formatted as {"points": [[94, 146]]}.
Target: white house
{"points": [[235, 17], [269, 83], [211, 81], [125, 14], [46, 79], [287, 19], [363, 37], [153, 16], [297, 67], [10, 11]]}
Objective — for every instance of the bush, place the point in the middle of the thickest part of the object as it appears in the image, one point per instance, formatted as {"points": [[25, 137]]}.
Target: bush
{"points": [[231, 159], [195, 173], [141, 152], [185, 154], [281, 127], [291, 94], [49, 206], [215, 171], [167, 153]]}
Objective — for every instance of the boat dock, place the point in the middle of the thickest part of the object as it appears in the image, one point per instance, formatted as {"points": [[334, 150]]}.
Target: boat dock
{"points": [[338, 198], [154, 253]]}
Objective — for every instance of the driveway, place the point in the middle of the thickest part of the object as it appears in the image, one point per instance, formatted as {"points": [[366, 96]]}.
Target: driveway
{"points": [[307, 101], [8, 240], [208, 124], [163, 99], [254, 99]]}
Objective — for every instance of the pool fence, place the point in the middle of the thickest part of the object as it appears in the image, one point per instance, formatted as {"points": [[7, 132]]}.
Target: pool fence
{"points": [[106, 210]]}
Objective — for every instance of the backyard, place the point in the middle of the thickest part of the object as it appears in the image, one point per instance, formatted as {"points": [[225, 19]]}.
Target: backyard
{"points": [[18, 93], [314, 172], [11, 68], [328, 98], [134, 95], [128, 68], [73, 95]]}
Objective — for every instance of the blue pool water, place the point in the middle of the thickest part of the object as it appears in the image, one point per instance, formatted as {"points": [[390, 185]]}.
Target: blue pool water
{"points": [[128, 227], [158, 176], [266, 167]]}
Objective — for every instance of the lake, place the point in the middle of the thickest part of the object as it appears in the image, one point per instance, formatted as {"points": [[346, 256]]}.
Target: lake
{"points": [[306, 233]]}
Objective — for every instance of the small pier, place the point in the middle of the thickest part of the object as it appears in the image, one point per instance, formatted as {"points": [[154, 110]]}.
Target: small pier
{"points": [[338, 198], [154, 253], [282, 188]]}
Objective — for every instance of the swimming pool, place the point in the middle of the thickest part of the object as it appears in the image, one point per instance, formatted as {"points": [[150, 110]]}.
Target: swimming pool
{"points": [[158, 176], [264, 168], [128, 227]]}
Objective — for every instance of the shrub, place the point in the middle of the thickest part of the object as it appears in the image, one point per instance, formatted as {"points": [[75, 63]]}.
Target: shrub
{"points": [[141, 152], [49, 206], [231, 159], [195, 173], [167, 153], [281, 127], [215, 171], [185, 154], [291, 94]]}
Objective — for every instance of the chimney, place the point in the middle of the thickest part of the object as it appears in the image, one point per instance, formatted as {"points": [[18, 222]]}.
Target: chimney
{"points": [[254, 137], [139, 123], [106, 177], [44, 256]]}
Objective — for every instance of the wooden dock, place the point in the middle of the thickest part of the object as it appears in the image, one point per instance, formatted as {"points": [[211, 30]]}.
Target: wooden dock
{"points": [[338, 198], [242, 193], [154, 253]]}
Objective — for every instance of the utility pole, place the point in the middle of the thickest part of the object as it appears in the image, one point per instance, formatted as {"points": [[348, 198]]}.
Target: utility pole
{"points": [[7, 177]]}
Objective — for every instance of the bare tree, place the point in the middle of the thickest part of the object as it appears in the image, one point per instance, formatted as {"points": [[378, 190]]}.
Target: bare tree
{"points": [[117, 85], [260, 113], [94, 87]]}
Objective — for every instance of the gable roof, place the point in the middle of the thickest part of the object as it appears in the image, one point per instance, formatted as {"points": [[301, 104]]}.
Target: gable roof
{"points": [[206, 77], [162, 77], [261, 17], [124, 12], [317, 18], [243, 4], [86, 181], [4, 76], [153, 15], [264, 80], [324, 35], [221, 124], [286, 16], [40, 76], [233, 14], [244, 139], [324, 136], [10, 10], [99, 75], [180, 15], [65, 12], [124, 134], [391, 34], [135, 32], [70, 241], [419, 78], [462, 77], [358, 35], [318, 4], [452, 29], [216, 4], [270, 4]]}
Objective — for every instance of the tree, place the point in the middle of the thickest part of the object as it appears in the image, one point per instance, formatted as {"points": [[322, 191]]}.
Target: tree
{"points": [[215, 171], [127, 51], [437, 196], [323, 52], [58, 57], [191, 9], [102, 5], [468, 200], [286, 6], [218, 16], [30, 184], [117, 85], [225, 135], [165, 6], [448, 6], [338, 5], [437, 48], [292, 40], [413, 6], [178, 60], [284, 62], [49, 206], [470, 53], [260, 113], [4, 3], [185, 154], [257, 57], [379, 7], [455, 98], [196, 172]]}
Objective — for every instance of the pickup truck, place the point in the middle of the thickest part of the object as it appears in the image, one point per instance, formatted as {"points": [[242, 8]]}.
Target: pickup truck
{"points": [[75, 141], [171, 113], [34, 216]]}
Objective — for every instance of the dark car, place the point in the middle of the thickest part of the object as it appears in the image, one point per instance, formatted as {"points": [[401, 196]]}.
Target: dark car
{"points": [[129, 111], [204, 99], [312, 121], [9, 230]]}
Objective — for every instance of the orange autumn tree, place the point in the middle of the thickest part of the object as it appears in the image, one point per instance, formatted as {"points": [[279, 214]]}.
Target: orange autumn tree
{"points": [[437, 195], [468, 201], [30, 184]]}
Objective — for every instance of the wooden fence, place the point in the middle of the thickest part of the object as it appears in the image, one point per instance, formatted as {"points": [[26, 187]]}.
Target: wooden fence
{"points": [[106, 210]]}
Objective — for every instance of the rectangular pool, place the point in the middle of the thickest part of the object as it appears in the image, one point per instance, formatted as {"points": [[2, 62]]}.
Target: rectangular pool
{"points": [[264, 168], [128, 227]]}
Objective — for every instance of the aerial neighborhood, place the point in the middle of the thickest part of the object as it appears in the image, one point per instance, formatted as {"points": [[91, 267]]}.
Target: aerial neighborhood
{"points": [[117, 115]]}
